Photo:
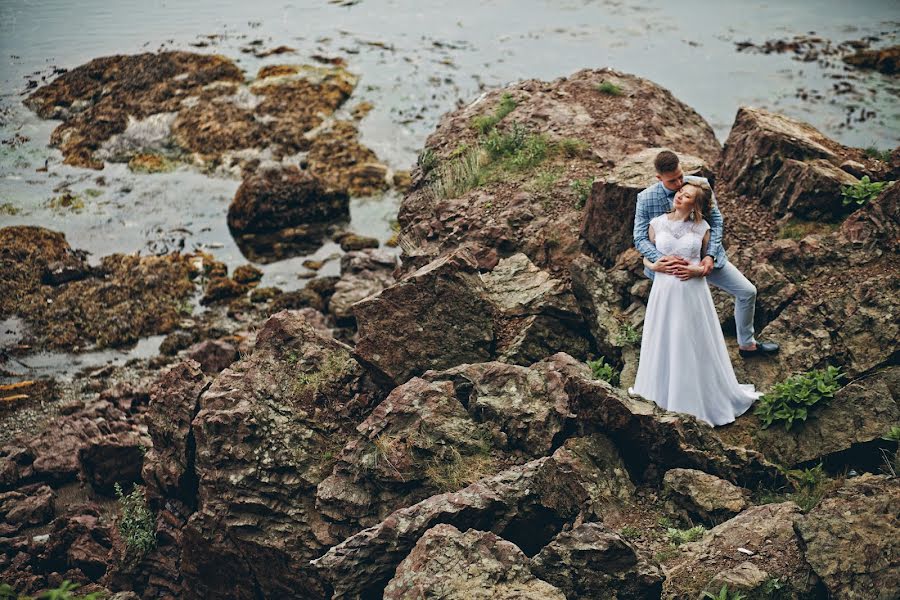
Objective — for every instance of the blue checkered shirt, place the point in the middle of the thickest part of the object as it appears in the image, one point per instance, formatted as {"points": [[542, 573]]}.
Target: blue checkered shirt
{"points": [[656, 200]]}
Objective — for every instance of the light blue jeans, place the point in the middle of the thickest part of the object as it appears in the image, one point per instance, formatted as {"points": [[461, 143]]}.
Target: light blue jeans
{"points": [[732, 281]]}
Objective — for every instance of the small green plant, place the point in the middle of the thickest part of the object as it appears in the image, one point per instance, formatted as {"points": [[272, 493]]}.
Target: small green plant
{"points": [[772, 587], [628, 335], [683, 536], [665, 522], [428, 160], [723, 594], [7, 593], [461, 174], [600, 369], [572, 147], [630, 533], [893, 435], [545, 180], [485, 123], [792, 399], [582, 189], [862, 192], [809, 485], [137, 525], [505, 143], [874, 152], [666, 554], [607, 87]]}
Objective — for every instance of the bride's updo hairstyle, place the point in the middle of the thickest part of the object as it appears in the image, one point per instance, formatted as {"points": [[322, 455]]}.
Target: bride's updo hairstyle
{"points": [[702, 201]]}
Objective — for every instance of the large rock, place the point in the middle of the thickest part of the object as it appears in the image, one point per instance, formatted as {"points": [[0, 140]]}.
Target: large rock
{"points": [[174, 402], [851, 539], [590, 561], [446, 564], [810, 189], [264, 435], [526, 505], [434, 318], [26, 507], [111, 459], [859, 413], [274, 199], [767, 534], [704, 496], [512, 214], [608, 223]]}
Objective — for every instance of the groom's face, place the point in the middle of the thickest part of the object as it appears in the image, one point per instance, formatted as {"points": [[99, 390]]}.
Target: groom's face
{"points": [[673, 180]]}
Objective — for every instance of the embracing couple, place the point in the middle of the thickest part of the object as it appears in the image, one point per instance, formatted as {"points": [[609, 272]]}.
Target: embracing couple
{"points": [[684, 364]]}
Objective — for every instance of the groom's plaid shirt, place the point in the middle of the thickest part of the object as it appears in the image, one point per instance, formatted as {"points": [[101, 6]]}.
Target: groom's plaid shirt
{"points": [[656, 200]]}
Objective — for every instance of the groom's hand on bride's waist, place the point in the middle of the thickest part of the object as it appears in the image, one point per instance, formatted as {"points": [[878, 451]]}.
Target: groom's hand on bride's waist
{"points": [[666, 264]]}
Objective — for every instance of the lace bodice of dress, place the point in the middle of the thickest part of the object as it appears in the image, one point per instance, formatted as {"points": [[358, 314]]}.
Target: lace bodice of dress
{"points": [[679, 238]]}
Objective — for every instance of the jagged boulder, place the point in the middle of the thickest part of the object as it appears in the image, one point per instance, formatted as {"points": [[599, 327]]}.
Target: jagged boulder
{"points": [[851, 538], [590, 561], [608, 223], [762, 534], [264, 434], [111, 459], [446, 564], [434, 318], [859, 413], [174, 402], [526, 505], [703, 496], [26, 507]]}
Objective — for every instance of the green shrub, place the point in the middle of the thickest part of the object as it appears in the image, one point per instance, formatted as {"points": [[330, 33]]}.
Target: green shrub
{"points": [[630, 533], [505, 143], [137, 525], [874, 152], [428, 160], [572, 147], [809, 486], [628, 335], [893, 435], [582, 189], [683, 536], [610, 88], [792, 399], [485, 123], [724, 594], [601, 370], [862, 192]]}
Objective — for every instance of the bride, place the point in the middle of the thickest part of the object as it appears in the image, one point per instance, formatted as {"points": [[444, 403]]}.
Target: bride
{"points": [[684, 365]]}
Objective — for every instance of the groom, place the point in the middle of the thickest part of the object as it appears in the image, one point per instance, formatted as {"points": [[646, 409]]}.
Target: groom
{"points": [[656, 200]]}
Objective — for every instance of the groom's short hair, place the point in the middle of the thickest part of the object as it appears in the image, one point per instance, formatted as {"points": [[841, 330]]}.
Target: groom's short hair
{"points": [[665, 162]]}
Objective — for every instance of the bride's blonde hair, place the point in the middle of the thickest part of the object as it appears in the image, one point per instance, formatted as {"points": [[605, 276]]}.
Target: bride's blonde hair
{"points": [[702, 201]]}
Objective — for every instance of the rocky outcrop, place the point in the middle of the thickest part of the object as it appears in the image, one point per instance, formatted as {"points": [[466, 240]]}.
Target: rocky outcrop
{"points": [[594, 131], [764, 536], [124, 298], [886, 60], [264, 434], [859, 413], [851, 538], [450, 565], [111, 459], [526, 505], [435, 318], [704, 497], [608, 223], [590, 561]]}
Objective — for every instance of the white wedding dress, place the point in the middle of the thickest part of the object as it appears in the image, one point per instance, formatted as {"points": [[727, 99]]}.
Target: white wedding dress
{"points": [[684, 364]]}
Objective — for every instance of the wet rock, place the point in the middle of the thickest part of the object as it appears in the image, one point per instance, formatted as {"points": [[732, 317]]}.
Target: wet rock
{"points": [[115, 458], [174, 401], [357, 242], [123, 299], [850, 538], [263, 436], [767, 532], [247, 274], [177, 341], [886, 60], [261, 295], [498, 217], [590, 561], [300, 299], [446, 563], [150, 163], [704, 497], [609, 212], [435, 318], [859, 413], [363, 274], [287, 197], [219, 289]]}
